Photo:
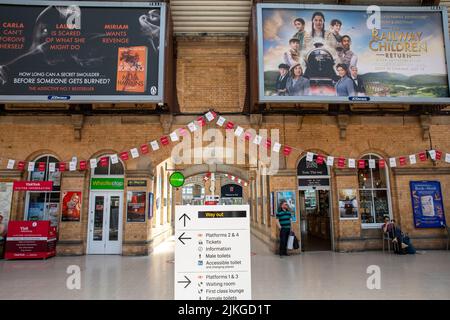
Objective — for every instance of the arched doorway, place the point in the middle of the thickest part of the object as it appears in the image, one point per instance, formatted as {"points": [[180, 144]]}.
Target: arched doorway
{"points": [[106, 208], [315, 209]]}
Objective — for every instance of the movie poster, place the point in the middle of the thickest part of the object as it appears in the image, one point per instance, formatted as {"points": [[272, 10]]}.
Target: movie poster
{"points": [[427, 204], [101, 51], [348, 204], [290, 198], [136, 201], [324, 53], [71, 206]]}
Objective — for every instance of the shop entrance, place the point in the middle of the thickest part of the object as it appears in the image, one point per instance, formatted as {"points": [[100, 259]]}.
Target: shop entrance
{"points": [[315, 212], [105, 223]]}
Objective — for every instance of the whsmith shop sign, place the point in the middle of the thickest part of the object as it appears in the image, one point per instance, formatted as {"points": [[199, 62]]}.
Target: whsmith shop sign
{"points": [[81, 51], [107, 184], [338, 54]]}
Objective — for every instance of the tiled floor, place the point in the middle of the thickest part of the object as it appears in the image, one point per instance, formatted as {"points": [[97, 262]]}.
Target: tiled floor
{"points": [[312, 275]]}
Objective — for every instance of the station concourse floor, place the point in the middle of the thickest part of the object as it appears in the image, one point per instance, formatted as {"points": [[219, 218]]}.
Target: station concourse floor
{"points": [[311, 275]]}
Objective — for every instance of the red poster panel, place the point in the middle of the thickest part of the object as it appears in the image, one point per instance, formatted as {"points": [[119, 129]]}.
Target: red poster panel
{"points": [[33, 185], [30, 240]]}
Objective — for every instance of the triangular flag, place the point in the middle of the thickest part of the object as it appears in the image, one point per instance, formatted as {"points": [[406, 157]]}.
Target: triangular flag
{"points": [[93, 163], [402, 161], [155, 145], [31, 166], [192, 127], [134, 153], [164, 140], [361, 164], [447, 157], [412, 159], [221, 121], [83, 165], [114, 159], [257, 139], [422, 156], [21, 165], [144, 148], [238, 132], [103, 161], [182, 132], [10, 164], [41, 166], [372, 163], [124, 156], [309, 156], [201, 121], [330, 161], [174, 136], [229, 125], [351, 163], [392, 162], [287, 150], [432, 154], [276, 147], [209, 116], [319, 159]]}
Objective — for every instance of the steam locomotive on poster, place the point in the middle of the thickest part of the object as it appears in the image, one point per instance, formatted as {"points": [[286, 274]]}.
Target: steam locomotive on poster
{"points": [[320, 70]]}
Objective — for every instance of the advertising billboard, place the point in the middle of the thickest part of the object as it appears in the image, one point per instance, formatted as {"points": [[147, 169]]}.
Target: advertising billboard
{"points": [[348, 54], [81, 51]]}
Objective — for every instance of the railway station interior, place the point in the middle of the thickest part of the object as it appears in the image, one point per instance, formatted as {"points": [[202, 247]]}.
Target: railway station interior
{"points": [[211, 79]]}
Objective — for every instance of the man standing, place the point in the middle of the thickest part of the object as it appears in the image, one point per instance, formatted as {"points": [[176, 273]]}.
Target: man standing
{"points": [[347, 56], [299, 24], [284, 224], [358, 81], [292, 56], [280, 85]]}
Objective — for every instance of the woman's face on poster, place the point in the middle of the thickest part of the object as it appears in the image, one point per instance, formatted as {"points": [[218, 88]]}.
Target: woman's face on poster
{"points": [[318, 23], [298, 71], [341, 72]]}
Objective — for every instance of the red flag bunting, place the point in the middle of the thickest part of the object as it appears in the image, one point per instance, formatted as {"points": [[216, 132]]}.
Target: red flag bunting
{"points": [[341, 162], [268, 143], [208, 174], [103, 161], [438, 155], [402, 161], [164, 140], [381, 163], [422, 156], [124, 156], [319, 159], [83, 165], [361, 164], [144, 148], [21, 165], [62, 166], [182, 131], [287, 150], [201, 121], [229, 125], [41, 166]]}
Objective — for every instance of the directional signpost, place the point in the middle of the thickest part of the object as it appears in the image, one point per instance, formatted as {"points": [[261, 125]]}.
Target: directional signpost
{"points": [[212, 253]]}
